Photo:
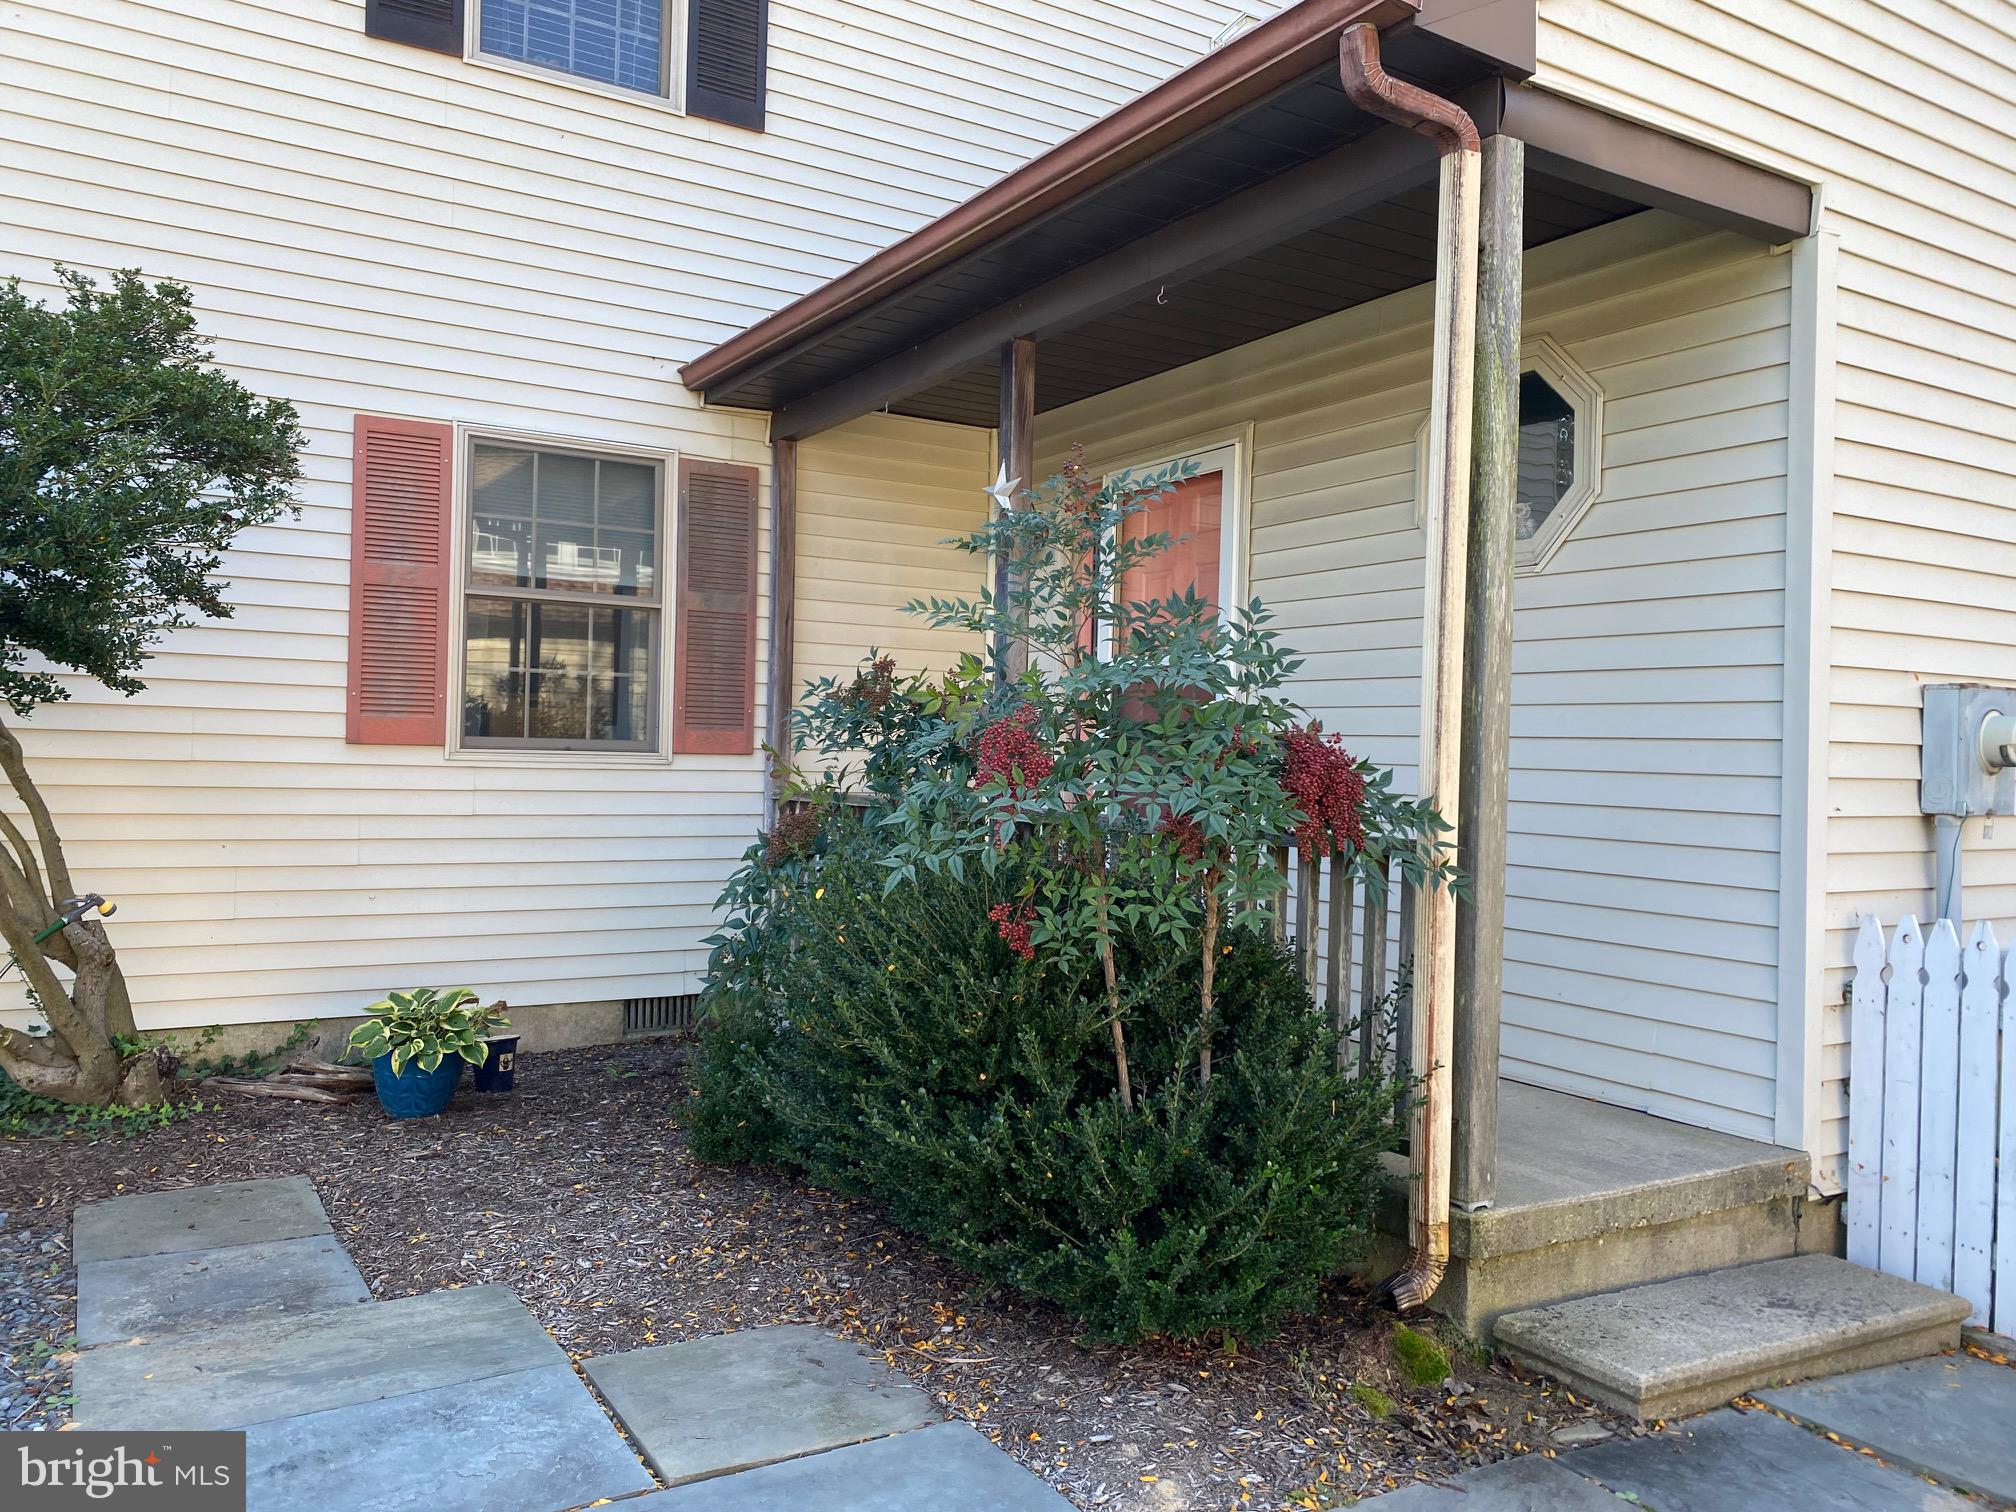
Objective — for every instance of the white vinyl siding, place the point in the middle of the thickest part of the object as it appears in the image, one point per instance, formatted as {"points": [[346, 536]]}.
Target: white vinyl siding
{"points": [[376, 228], [1647, 671], [1905, 117]]}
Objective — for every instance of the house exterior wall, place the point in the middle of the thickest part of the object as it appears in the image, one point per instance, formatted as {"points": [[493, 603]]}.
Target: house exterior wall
{"points": [[1904, 116], [374, 228], [877, 499], [1641, 942]]}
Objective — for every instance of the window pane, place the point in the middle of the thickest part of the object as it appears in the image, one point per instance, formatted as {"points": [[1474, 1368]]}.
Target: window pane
{"points": [[623, 642], [557, 705], [559, 639], [493, 704], [500, 551], [618, 709], [570, 559], [1546, 452], [502, 481], [496, 634], [615, 41]]}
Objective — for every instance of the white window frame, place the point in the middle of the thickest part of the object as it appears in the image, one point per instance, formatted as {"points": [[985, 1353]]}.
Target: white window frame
{"points": [[1543, 355], [659, 752], [1230, 454], [672, 59]]}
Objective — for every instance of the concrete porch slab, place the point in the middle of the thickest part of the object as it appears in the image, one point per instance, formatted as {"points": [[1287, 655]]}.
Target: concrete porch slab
{"points": [[1526, 1484], [1734, 1461], [198, 1218], [944, 1466], [1684, 1346], [1952, 1418], [711, 1406], [150, 1296], [533, 1441], [1593, 1197], [255, 1373]]}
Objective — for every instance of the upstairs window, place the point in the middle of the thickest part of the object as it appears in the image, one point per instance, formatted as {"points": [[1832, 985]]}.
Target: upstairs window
{"points": [[620, 42]]}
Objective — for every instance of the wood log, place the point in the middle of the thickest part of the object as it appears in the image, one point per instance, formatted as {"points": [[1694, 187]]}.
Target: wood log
{"points": [[245, 1087]]}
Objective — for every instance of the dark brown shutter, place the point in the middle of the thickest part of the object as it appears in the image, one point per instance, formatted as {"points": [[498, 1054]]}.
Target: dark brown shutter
{"points": [[727, 58], [714, 681], [399, 572], [434, 24]]}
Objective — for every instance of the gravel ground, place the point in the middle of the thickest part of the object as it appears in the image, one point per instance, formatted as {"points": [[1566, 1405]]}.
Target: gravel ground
{"points": [[578, 1192]]}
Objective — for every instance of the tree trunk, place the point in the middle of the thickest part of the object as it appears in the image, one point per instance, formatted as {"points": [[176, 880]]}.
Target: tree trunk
{"points": [[79, 1063], [1112, 971], [1208, 1003]]}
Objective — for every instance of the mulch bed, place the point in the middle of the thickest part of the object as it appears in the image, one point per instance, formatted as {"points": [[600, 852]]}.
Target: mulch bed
{"points": [[578, 1192]]}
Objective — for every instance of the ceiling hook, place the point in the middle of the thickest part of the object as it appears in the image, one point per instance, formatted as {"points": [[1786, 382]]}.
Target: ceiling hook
{"points": [[1162, 295]]}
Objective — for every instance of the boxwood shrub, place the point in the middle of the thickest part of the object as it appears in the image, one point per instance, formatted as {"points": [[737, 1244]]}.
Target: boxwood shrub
{"points": [[892, 1044]]}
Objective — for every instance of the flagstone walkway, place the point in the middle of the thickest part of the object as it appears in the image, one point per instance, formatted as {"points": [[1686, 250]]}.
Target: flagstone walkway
{"points": [[1952, 1418], [235, 1307]]}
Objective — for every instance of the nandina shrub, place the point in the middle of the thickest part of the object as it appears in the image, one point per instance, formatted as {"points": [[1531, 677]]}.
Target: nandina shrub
{"points": [[898, 1046]]}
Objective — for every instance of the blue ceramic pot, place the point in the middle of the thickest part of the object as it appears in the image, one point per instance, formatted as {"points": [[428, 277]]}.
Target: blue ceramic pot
{"points": [[415, 1093]]}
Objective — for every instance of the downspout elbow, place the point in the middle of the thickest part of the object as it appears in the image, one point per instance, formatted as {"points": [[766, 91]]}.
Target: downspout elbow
{"points": [[1376, 92]]}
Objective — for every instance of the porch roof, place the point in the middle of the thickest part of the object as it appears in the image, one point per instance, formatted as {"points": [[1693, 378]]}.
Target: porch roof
{"points": [[1244, 196]]}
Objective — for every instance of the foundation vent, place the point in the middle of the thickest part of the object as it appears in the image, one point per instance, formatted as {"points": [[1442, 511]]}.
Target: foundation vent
{"points": [[659, 1015]]}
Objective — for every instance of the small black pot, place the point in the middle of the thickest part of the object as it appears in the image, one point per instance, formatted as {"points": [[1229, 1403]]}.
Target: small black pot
{"points": [[498, 1067]]}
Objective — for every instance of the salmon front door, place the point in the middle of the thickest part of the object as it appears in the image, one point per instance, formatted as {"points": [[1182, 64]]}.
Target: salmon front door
{"points": [[1192, 515]]}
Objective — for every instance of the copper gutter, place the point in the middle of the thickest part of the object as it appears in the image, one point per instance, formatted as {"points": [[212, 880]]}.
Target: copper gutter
{"points": [[1447, 516], [1296, 42]]}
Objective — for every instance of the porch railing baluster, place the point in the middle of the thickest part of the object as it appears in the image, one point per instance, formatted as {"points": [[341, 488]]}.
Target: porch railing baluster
{"points": [[1372, 984], [1337, 985], [1308, 886]]}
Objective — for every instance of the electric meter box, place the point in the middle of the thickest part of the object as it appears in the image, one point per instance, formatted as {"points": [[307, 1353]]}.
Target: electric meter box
{"points": [[1968, 765]]}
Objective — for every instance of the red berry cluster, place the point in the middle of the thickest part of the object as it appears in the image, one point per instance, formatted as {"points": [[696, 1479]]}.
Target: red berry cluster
{"points": [[791, 837], [1012, 922], [1328, 789], [1185, 834], [874, 688], [1008, 751]]}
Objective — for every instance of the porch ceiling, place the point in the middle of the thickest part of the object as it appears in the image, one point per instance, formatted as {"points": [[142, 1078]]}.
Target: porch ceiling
{"points": [[1144, 246]]}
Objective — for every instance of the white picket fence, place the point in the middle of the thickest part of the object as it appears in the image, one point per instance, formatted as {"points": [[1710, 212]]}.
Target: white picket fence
{"points": [[1932, 1113]]}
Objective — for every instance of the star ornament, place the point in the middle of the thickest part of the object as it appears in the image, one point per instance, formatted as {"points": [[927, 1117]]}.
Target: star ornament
{"points": [[1003, 490]]}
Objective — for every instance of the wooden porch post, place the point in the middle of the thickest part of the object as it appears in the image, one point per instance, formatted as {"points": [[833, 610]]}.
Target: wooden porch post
{"points": [[1487, 687], [1018, 457], [783, 606]]}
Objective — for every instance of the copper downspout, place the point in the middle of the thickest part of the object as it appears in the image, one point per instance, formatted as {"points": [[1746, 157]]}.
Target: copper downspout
{"points": [[1447, 497]]}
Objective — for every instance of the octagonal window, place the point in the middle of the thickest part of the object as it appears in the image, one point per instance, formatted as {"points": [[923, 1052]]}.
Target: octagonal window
{"points": [[1560, 450], [1546, 452]]}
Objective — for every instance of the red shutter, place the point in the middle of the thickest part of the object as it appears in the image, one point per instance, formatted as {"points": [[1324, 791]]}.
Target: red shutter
{"points": [[714, 683], [399, 572]]}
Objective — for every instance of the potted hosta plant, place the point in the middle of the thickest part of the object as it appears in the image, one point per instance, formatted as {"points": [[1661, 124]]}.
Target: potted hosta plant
{"points": [[418, 1042]]}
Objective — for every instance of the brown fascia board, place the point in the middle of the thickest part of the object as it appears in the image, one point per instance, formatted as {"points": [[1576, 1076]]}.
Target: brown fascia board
{"points": [[1583, 145], [1505, 34], [1298, 41]]}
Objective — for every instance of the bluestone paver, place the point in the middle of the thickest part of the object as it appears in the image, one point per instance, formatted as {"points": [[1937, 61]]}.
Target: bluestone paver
{"points": [[711, 1406], [196, 1218], [150, 1296], [1953, 1418], [935, 1469], [235, 1377], [534, 1441], [1731, 1461], [1528, 1484], [1682, 1346]]}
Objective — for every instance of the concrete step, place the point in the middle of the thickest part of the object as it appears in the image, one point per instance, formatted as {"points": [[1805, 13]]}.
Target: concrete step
{"points": [[1675, 1347]]}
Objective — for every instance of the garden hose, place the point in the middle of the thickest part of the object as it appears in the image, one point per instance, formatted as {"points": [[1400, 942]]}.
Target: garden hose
{"points": [[71, 910]]}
